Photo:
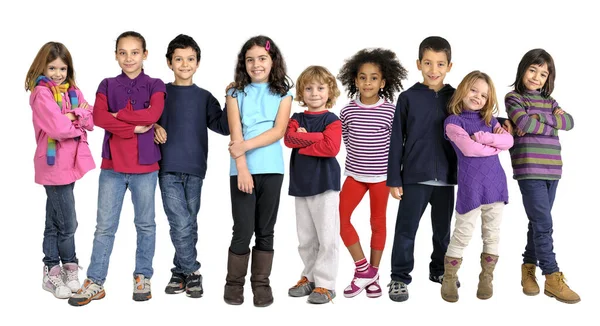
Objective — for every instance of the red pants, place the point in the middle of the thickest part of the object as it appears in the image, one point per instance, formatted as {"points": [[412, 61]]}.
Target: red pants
{"points": [[352, 193]]}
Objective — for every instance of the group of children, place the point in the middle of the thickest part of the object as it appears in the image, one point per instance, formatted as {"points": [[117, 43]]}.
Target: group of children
{"points": [[434, 138]]}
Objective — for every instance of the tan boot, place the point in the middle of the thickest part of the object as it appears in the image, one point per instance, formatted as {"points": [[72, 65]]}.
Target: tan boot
{"points": [[237, 268], [528, 280], [555, 287], [449, 288], [485, 289], [262, 261]]}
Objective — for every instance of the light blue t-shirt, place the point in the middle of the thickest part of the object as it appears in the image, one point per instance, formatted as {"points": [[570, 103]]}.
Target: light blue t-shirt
{"points": [[258, 110]]}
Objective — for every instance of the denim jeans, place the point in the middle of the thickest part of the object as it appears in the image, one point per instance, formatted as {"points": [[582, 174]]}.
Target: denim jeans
{"points": [[538, 198], [111, 191], [61, 223], [181, 200]]}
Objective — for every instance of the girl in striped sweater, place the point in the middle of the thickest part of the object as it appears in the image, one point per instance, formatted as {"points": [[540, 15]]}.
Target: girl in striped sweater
{"points": [[537, 166], [373, 75]]}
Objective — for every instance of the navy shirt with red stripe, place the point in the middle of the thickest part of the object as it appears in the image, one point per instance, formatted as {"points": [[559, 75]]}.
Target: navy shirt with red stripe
{"points": [[313, 166]]}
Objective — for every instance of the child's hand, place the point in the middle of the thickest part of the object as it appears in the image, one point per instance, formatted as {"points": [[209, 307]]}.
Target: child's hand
{"points": [[84, 105], [396, 192], [141, 129], [114, 114], [160, 134], [535, 116], [231, 85], [237, 148], [301, 130], [558, 111], [71, 116], [507, 125], [498, 130], [519, 132], [473, 137], [245, 182]]}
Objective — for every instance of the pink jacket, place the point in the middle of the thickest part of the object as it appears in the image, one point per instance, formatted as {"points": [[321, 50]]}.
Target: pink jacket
{"points": [[73, 157]]}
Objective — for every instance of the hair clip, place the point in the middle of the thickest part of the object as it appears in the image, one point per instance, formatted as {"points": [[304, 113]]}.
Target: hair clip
{"points": [[268, 45]]}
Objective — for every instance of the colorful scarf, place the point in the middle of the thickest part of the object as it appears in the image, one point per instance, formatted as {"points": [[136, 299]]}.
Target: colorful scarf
{"points": [[56, 91]]}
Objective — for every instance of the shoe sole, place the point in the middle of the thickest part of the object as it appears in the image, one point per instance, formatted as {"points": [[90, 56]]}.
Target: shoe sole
{"points": [[98, 296], [374, 295], [451, 300], [559, 299], [54, 293], [172, 290], [194, 294], [531, 294], [399, 298], [139, 297]]}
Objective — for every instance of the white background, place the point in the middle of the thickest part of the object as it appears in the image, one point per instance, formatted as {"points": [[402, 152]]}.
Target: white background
{"points": [[488, 36]]}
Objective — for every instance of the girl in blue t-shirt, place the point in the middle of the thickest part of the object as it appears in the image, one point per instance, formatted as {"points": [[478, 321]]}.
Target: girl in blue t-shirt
{"points": [[258, 109]]}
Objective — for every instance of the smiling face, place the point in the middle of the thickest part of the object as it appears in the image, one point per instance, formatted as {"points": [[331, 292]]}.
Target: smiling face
{"points": [[130, 55], [184, 65], [258, 64], [535, 77], [368, 81], [315, 95], [476, 96], [434, 66], [57, 71]]}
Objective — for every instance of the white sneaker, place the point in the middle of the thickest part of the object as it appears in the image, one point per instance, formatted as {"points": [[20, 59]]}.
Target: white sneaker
{"points": [[54, 283], [71, 276]]}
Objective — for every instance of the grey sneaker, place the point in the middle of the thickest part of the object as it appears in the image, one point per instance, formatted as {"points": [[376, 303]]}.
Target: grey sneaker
{"points": [[321, 295], [141, 288], [398, 291], [193, 285], [303, 288], [440, 279], [88, 292]]}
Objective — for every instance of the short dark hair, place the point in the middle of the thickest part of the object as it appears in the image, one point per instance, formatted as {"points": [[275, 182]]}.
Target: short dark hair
{"points": [[131, 34], [536, 57], [436, 44], [182, 41]]}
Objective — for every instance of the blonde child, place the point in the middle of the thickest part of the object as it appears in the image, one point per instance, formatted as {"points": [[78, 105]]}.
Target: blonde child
{"points": [[315, 136], [477, 138], [258, 110], [60, 116], [373, 75]]}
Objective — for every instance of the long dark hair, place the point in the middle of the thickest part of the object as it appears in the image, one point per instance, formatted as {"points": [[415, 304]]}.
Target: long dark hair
{"points": [[536, 57]]}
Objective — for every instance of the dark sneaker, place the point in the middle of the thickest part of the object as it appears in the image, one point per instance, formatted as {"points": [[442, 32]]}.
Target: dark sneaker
{"points": [[302, 288], [176, 284], [141, 288], [398, 291], [89, 291], [193, 285], [440, 279]]}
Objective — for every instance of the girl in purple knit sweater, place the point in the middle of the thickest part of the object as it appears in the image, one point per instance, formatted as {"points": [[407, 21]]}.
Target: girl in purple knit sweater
{"points": [[477, 138]]}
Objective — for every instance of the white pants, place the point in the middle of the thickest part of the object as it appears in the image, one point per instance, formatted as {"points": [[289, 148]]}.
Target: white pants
{"points": [[318, 225], [491, 217]]}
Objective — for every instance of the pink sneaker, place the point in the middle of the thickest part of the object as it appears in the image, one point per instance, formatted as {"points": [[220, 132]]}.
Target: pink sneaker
{"points": [[360, 282], [373, 289]]}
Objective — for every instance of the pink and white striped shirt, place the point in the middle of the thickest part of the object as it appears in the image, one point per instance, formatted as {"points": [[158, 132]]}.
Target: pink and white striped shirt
{"points": [[366, 131]]}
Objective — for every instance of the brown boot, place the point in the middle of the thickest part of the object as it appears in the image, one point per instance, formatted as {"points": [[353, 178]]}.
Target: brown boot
{"points": [[528, 280], [262, 261], [485, 289], [449, 288], [237, 267], [555, 287]]}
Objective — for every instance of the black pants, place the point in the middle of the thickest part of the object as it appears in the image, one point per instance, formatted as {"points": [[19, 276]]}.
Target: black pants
{"points": [[411, 208], [256, 213]]}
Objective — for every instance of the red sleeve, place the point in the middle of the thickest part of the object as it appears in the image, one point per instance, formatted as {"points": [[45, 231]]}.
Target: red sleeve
{"points": [[294, 139], [329, 146], [144, 117], [106, 121]]}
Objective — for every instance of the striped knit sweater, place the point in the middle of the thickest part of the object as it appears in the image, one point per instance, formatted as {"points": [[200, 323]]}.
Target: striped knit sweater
{"points": [[536, 155], [366, 131]]}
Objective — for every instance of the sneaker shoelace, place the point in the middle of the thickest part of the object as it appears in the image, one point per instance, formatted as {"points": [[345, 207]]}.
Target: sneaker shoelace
{"points": [[72, 275], [303, 281], [56, 280], [325, 292]]}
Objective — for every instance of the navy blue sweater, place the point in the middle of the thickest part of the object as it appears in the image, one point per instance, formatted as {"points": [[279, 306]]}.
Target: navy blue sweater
{"points": [[418, 149], [189, 111], [313, 167]]}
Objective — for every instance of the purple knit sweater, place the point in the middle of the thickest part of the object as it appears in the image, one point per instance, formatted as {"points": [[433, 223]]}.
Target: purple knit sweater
{"points": [[481, 180]]}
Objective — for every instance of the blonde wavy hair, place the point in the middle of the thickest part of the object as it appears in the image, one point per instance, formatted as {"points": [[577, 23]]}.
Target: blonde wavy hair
{"points": [[491, 105]]}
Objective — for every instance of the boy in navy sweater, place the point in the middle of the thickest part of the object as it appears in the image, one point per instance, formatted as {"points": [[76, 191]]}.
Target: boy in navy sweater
{"points": [[422, 166], [315, 136], [189, 111]]}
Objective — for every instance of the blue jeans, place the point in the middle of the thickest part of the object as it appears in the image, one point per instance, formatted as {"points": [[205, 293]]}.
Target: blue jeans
{"points": [[181, 200], [61, 223], [111, 191], [538, 198]]}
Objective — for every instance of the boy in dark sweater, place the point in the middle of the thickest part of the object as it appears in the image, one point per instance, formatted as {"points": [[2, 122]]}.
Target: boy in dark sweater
{"points": [[422, 166], [189, 111]]}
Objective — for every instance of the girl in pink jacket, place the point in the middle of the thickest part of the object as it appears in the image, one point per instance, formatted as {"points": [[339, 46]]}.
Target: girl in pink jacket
{"points": [[61, 117]]}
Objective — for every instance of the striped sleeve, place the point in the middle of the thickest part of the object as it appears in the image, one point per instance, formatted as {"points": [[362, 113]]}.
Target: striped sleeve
{"points": [[516, 111]]}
